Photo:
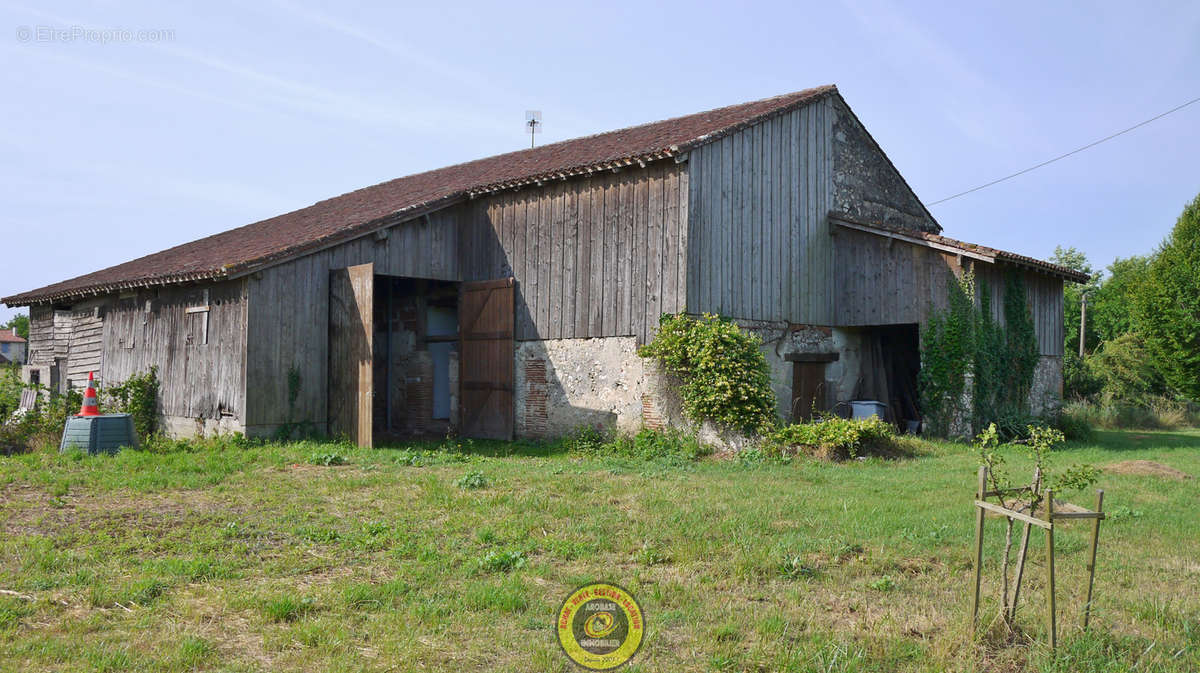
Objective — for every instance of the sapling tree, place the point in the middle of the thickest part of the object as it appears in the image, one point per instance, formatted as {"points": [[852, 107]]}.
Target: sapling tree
{"points": [[1026, 498]]}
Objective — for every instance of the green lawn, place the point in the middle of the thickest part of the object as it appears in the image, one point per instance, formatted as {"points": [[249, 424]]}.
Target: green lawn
{"points": [[256, 559]]}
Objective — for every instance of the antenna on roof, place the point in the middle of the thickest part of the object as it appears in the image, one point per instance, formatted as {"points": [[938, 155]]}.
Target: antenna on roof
{"points": [[533, 124]]}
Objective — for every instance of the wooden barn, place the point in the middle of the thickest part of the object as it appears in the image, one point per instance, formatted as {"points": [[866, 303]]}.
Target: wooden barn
{"points": [[506, 296]]}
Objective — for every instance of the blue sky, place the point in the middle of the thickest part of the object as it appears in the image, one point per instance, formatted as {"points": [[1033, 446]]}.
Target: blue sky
{"points": [[200, 117]]}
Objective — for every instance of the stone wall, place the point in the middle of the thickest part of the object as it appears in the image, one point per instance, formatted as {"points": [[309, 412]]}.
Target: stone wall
{"points": [[865, 183], [564, 384], [1045, 396]]}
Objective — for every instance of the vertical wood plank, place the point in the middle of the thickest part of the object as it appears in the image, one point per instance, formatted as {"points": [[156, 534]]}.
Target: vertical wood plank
{"points": [[638, 255], [654, 253], [624, 253], [598, 264], [672, 256], [570, 252], [695, 294], [683, 247], [612, 194], [583, 257], [558, 273]]}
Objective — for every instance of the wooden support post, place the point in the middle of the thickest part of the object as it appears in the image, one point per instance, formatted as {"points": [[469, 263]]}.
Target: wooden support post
{"points": [[1091, 568], [979, 494], [1012, 607], [1034, 487], [1050, 616]]}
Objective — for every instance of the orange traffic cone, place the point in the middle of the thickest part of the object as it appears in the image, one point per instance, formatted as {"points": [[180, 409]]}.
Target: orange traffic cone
{"points": [[89, 408]]}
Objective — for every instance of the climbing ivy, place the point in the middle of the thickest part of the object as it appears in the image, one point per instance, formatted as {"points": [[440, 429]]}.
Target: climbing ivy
{"points": [[948, 345], [1020, 346], [965, 346], [724, 373], [138, 397]]}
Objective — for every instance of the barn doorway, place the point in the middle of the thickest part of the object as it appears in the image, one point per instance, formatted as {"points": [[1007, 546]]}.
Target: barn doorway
{"points": [[890, 371], [415, 357], [415, 360]]}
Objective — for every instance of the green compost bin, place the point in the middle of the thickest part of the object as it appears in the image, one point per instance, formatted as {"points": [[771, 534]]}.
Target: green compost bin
{"points": [[99, 434]]}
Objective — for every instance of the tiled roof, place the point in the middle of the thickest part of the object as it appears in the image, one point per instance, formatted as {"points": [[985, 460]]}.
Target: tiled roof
{"points": [[6, 335], [350, 215], [973, 248]]}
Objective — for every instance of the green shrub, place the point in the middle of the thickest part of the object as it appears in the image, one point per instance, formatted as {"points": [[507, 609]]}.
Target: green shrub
{"points": [[40, 428], [1075, 427], [10, 391], [832, 437], [724, 374], [1079, 381], [138, 397], [669, 444]]}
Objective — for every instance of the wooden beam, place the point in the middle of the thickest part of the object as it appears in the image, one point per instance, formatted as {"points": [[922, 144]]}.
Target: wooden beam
{"points": [[911, 239], [812, 357], [1004, 511]]}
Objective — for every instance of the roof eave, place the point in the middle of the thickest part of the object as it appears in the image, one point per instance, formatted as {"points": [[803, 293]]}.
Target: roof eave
{"points": [[983, 253]]}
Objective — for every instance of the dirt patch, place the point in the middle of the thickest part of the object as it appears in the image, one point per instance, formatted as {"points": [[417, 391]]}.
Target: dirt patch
{"points": [[1146, 468]]}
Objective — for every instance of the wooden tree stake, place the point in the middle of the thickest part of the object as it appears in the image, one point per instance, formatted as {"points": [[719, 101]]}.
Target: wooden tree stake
{"points": [[1087, 607], [979, 495], [1034, 488], [1050, 617]]}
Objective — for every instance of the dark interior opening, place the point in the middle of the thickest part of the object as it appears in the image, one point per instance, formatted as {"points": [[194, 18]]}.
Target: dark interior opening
{"points": [[891, 368], [415, 357]]}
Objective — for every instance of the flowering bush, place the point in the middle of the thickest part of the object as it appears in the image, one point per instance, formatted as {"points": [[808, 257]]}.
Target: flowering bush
{"points": [[724, 373]]}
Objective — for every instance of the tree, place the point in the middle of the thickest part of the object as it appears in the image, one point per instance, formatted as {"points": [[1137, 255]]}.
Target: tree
{"points": [[1073, 297], [1109, 307], [21, 322], [1168, 304]]}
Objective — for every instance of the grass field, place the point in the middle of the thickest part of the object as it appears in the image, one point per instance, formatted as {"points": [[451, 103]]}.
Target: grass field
{"points": [[265, 558]]}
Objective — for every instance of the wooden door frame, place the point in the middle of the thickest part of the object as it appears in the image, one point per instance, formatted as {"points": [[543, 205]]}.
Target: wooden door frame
{"points": [[358, 421]]}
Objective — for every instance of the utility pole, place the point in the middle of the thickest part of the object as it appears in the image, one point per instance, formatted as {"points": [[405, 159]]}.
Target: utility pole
{"points": [[1082, 321]]}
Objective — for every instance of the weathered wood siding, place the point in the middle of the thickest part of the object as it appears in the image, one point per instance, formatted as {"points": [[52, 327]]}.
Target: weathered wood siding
{"points": [[44, 342], [288, 313], [71, 337], [153, 329], [758, 238], [593, 257], [85, 346], [883, 281]]}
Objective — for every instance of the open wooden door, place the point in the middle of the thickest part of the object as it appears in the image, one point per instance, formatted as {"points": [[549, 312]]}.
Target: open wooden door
{"points": [[485, 318], [351, 358]]}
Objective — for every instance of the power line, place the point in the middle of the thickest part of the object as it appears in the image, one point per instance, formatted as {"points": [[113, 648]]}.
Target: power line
{"points": [[1064, 156]]}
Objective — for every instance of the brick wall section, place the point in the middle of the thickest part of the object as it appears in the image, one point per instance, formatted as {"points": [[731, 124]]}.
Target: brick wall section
{"points": [[651, 416], [419, 393], [533, 422]]}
